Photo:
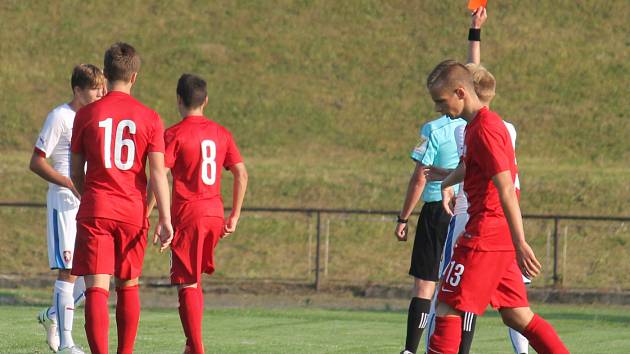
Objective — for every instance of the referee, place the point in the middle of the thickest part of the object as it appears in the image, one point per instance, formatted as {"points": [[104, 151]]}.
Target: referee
{"points": [[437, 147]]}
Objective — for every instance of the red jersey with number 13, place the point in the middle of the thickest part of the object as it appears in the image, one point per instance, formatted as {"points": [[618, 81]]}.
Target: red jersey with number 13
{"points": [[196, 151], [114, 135], [488, 151]]}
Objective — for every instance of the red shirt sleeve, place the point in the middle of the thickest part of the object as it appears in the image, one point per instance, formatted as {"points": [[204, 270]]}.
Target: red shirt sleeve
{"points": [[39, 152], [491, 151], [232, 155], [156, 142], [76, 145], [171, 147]]}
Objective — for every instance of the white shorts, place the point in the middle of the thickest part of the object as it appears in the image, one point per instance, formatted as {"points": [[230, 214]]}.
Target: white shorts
{"points": [[455, 229], [62, 226]]}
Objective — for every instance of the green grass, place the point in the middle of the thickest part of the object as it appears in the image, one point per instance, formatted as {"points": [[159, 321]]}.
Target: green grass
{"points": [[358, 250], [325, 99], [584, 329]]}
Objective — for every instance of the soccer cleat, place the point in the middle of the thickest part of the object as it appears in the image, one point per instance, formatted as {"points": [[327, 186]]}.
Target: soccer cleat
{"points": [[52, 335], [406, 352], [71, 350]]}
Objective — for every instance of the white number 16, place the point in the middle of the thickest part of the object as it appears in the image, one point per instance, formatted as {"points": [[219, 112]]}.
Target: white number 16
{"points": [[118, 144]]}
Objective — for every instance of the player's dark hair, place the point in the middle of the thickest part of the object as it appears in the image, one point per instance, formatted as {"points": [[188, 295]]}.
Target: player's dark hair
{"points": [[86, 76], [192, 90], [121, 61], [451, 73]]}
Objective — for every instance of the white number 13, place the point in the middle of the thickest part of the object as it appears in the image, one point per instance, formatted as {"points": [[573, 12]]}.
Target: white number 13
{"points": [[454, 274], [118, 144], [208, 154]]}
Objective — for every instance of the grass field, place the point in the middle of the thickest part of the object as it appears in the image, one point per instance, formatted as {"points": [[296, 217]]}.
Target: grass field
{"points": [[585, 329], [325, 100]]}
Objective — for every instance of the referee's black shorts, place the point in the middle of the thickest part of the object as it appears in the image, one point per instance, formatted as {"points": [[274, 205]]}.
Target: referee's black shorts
{"points": [[429, 242]]}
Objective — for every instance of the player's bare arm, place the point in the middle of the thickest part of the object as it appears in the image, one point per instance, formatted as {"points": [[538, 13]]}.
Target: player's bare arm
{"points": [[479, 17], [77, 173], [434, 173], [151, 201], [159, 184], [456, 176], [414, 191], [524, 254], [238, 194], [42, 168]]}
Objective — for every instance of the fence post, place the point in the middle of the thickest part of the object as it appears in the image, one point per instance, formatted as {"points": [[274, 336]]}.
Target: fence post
{"points": [[318, 250], [556, 278]]}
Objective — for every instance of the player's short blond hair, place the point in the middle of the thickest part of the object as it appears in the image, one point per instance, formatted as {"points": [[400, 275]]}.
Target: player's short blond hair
{"points": [[450, 74], [87, 76], [485, 84]]}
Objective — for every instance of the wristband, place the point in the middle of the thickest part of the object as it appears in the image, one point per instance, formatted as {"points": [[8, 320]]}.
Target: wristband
{"points": [[401, 221], [474, 34]]}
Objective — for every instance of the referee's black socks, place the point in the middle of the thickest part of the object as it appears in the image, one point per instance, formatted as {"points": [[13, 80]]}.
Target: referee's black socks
{"points": [[417, 320]]}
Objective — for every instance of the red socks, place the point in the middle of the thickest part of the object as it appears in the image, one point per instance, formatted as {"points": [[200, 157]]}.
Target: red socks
{"points": [[543, 338], [191, 314], [447, 335], [97, 319], [127, 317]]}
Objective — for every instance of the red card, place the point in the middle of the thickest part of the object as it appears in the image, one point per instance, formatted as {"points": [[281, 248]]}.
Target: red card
{"points": [[474, 4]]}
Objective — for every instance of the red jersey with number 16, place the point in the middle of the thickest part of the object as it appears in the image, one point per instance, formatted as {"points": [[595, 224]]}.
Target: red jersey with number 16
{"points": [[114, 135], [196, 151], [488, 151]]}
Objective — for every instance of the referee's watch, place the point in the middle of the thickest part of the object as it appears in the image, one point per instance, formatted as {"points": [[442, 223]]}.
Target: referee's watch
{"points": [[401, 220]]}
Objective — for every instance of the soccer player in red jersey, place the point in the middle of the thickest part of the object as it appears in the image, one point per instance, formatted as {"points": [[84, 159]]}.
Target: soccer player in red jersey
{"points": [[485, 265], [115, 136], [196, 150]]}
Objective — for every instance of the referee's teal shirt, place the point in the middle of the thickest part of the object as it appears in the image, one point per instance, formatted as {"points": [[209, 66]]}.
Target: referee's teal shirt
{"points": [[437, 147]]}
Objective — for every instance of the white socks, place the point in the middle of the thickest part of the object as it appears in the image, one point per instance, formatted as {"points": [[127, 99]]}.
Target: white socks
{"points": [[63, 301], [520, 343], [78, 293]]}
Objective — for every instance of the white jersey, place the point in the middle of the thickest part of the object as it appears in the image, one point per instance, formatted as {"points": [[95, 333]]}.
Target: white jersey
{"points": [[461, 202], [54, 140]]}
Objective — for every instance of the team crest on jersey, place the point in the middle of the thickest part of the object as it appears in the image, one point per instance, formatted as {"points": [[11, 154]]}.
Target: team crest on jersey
{"points": [[421, 147]]}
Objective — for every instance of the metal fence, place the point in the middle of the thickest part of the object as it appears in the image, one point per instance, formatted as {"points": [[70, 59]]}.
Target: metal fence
{"points": [[549, 238]]}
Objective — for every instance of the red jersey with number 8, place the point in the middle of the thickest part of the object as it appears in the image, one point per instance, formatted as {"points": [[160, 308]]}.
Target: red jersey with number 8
{"points": [[196, 151], [114, 135]]}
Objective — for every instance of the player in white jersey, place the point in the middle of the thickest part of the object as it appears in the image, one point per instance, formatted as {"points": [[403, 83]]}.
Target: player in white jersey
{"points": [[62, 202], [485, 85]]}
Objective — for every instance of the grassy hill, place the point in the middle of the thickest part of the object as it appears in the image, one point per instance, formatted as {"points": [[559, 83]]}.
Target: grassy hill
{"points": [[325, 97]]}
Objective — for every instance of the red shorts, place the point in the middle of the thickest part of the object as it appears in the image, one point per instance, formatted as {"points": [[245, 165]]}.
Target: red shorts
{"points": [[474, 279], [105, 246], [192, 250]]}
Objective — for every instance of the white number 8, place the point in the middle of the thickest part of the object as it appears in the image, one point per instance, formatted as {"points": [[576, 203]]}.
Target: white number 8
{"points": [[119, 143], [208, 154]]}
